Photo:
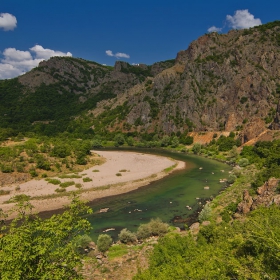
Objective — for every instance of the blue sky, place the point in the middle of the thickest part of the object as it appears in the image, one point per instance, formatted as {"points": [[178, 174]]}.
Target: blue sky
{"points": [[106, 31]]}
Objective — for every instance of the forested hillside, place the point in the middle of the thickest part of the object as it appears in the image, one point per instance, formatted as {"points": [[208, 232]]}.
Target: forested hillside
{"points": [[222, 82]]}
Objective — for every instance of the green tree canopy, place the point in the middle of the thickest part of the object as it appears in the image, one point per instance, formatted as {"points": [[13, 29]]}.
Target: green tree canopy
{"points": [[35, 248]]}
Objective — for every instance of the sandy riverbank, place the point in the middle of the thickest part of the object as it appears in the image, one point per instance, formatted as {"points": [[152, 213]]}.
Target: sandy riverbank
{"points": [[136, 170]]}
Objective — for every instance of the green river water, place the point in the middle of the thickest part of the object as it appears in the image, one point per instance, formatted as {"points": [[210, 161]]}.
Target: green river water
{"points": [[166, 198]]}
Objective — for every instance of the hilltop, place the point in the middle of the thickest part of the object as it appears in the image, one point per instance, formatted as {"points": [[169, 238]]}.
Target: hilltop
{"points": [[222, 82]]}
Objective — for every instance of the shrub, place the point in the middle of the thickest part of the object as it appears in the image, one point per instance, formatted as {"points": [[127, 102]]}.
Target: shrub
{"points": [[33, 173], [54, 181], [81, 242], [67, 184], [243, 162], [64, 176], [154, 228], [104, 242], [4, 192], [87, 179], [78, 186], [196, 148], [236, 172], [20, 167], [231, 178], [60, 190], [19, 198], [7, 169], [188, 140], [144, 231], [158, 228], [118, 174], [205, 214], [126, 236], [81, 160]]}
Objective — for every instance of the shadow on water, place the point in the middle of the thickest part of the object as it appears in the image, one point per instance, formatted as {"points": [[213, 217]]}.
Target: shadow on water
{"points": [[166, 198]]}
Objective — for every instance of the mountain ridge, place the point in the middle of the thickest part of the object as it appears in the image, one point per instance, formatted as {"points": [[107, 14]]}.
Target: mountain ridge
{"points": [[222, 82]]}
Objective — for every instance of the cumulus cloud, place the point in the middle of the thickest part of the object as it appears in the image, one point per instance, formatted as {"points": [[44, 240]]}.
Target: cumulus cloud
{"points": [[16, 62], [40, 52], [7, 21], [242, 19], [109, 53], [214, 29], [117, 55]]}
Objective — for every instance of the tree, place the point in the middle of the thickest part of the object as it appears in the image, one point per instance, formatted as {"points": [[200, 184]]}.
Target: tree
{"points": [[119, 140], [33, 248], [175, 142], [196, 148], [165, 141], [104, 242], [126, 236]]}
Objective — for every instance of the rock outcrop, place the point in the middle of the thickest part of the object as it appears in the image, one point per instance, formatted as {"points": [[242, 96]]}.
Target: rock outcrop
{"points": [[266, 196]]}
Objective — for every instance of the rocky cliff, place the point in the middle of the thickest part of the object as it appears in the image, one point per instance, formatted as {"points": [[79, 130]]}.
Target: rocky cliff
{"points": [[221, 82]]}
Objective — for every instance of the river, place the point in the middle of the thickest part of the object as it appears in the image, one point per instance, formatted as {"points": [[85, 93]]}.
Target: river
{"points": [[166, 198]]}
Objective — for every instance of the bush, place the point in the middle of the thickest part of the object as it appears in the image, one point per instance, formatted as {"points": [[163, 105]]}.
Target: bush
{"points": [[104, 242], [19, 198], [78, 186], [4, 192], [67, 184], [205, 214], [60, 190], [54, 181], [33, 173], [231, 178], [158, 228], [87, 179], [126, 236], [154, 228], [144, 231], [81, 242], [7, 169], [243, 162], [196, 148], [81, 160]]}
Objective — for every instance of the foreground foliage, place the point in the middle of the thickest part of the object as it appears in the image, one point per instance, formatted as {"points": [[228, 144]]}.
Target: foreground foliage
{"points": [[33, 248], [243, 250]]}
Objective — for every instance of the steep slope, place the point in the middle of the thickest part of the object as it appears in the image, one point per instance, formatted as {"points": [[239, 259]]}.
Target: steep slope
{"points": [[62, 88], [221, 82]]}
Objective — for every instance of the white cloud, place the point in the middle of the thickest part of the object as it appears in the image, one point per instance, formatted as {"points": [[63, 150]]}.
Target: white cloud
{"points": [[109, 53], [7, 21], [47, 53], [242, 19], [16, 62], [16, 55], [117, 55], [214, 29]]}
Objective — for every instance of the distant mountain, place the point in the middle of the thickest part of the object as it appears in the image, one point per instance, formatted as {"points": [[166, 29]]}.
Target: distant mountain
{"points": [[222, 82]]}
